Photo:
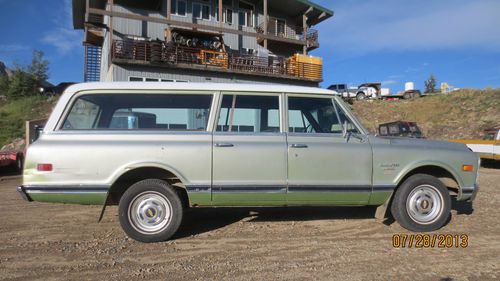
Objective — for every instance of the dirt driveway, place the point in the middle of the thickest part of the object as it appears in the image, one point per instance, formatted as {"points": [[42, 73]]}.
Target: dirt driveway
{"points": [[65, 242]]}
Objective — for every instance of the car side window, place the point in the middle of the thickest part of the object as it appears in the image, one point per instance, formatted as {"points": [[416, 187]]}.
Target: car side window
{"points": [[345, 120], [175, 112], [83, 114], [242, 113], [317, 115], [312, 115]]}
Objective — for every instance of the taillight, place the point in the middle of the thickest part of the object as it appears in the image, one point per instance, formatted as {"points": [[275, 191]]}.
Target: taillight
{"points": [[44, 167]]}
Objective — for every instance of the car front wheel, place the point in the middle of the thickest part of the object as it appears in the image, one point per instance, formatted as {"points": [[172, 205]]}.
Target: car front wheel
{"points": [[422, 203], [150, 211]]}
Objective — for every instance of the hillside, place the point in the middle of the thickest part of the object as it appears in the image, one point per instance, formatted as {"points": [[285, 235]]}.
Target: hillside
{"points": [[458, 115], [13, 115]]}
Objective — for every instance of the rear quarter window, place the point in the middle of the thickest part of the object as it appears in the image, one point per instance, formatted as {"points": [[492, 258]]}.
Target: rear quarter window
{"points": [[174, 112]]}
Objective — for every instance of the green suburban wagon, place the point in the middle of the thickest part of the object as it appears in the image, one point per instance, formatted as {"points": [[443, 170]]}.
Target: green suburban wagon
{"points": [[156, 149]]}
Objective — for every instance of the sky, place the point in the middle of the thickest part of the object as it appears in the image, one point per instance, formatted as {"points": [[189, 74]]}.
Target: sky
{"points": [[388, 41]]}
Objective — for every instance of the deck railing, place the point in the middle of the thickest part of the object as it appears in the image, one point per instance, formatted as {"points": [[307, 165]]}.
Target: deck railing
{"points": [[161, 53], [279, 28]]}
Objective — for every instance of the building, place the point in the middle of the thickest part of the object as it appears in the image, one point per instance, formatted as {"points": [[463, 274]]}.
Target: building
{"points": [[188, 40]]}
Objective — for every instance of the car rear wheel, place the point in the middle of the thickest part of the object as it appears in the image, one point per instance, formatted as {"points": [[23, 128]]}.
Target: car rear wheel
{"points": [[150, 211], [422, 203]]}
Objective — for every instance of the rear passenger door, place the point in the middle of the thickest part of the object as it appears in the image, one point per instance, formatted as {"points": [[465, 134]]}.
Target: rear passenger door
{"points": [[324, 167], [249, 151]]}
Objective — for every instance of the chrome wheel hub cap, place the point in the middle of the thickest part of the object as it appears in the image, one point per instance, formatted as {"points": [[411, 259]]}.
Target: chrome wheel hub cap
{"points": [[150, 212], [424, 204]]}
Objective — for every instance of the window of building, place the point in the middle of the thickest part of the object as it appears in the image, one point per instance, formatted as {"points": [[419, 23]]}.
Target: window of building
{"points": [[227, 14], [135, 79], [179, 7], [139, 112], [246, 14], [142, 79], [201, 10], [316, 115], [258, 114]]}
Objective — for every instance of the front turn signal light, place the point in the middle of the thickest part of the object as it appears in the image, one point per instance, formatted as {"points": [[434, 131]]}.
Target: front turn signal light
{"points": [[467, 168]]}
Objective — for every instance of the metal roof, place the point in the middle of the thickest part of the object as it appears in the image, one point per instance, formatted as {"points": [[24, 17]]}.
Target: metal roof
{"points": [[237, 87]]}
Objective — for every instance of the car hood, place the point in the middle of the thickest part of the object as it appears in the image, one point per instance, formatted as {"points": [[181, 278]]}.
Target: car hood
{"points": [[423, 143]]}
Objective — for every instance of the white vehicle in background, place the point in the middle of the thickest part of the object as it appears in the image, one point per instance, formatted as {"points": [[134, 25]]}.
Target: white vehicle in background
{"points": [[487, 148], [375, 91], [362, 92], [369, 91]]}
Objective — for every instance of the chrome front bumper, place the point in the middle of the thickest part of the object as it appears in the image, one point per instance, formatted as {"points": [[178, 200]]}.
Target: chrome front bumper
{"points": [[469, 193]]}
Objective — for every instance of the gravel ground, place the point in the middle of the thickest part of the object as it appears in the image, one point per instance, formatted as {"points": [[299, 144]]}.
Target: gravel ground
{"points": [[41, 241]]}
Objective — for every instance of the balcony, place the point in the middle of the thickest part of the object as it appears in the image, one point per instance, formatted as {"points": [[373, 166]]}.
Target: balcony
{"points": [[162, 54], [279, 29]]}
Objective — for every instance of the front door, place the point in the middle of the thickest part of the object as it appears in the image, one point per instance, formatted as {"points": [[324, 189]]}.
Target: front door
{"points": [[249, 151], [325, 167]]}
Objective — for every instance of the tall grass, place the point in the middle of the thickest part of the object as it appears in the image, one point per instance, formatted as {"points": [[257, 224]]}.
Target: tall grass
{"points": [[13, 115]]}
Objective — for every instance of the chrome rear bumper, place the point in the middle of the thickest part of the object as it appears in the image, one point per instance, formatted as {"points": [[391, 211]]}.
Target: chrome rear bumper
{"points": [[23, 193]]}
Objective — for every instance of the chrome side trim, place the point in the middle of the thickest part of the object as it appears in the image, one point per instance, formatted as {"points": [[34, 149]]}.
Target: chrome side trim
{"points": [[291, 188], [383, 188], [249, 189], [330, 188], [66, 189], [198, 188]]}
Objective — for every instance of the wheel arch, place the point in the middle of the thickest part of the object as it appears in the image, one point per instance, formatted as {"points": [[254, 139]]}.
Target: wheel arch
{"points": [[439, 170], [132, 174]]}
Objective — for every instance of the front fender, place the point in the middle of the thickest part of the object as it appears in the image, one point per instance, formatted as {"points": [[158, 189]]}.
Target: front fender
{"points": [[415, 165]]}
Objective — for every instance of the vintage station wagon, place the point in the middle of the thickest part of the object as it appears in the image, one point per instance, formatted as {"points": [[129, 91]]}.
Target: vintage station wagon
{"points": [[156, 149]]}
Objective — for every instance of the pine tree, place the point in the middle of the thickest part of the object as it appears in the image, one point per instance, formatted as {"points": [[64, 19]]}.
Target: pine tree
{"points": [[430, 84]]}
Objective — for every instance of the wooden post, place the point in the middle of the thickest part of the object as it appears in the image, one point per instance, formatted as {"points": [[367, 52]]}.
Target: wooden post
{"points": [[304, 27], [87, 6], [168, 31], [266, 21], [221, 22], [169, 8], [111, 32]]}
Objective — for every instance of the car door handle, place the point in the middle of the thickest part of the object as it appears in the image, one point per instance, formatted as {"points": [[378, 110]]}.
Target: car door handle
{"points": [[224, 144], [298, 145]]}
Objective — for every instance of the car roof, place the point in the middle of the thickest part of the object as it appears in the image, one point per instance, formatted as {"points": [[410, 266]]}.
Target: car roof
{"points": [[240, 87]]}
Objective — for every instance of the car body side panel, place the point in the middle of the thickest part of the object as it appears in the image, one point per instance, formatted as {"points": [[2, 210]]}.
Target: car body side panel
{"points": [[329, 169], [251, 172], [87, 159]]}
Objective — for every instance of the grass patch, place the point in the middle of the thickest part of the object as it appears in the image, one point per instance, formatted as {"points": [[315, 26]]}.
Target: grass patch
{"points": [[13, 115], [457, 115]]}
